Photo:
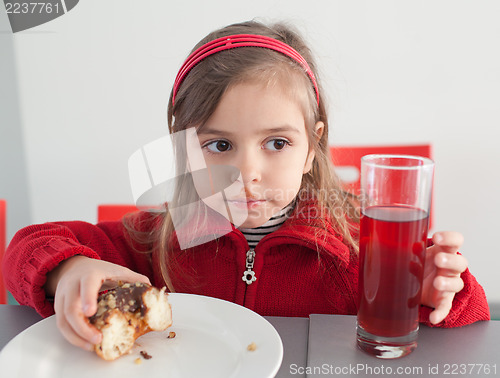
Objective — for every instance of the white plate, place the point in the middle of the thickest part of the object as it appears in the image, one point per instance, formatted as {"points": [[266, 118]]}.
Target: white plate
{"points": [[211, 340]]}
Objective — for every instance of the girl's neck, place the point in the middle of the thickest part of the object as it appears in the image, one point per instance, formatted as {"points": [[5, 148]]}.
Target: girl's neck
{"points": [[254, 235]]}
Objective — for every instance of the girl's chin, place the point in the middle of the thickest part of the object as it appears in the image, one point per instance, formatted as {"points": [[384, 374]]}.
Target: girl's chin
{"points": [[254, 222]]}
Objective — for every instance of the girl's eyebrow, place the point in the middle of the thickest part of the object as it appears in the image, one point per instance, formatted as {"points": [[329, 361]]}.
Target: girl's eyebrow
{"points": [[206, 130], [272, 130]]}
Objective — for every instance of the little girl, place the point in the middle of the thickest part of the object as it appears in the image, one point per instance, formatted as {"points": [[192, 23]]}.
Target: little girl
{"points": [[252, 95]]}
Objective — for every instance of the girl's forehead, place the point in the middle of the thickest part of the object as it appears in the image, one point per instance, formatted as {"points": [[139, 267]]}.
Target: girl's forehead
{"points": [[258, 103], [291, 82]]}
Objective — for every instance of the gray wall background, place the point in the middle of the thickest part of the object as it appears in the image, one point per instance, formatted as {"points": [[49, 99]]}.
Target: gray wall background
{"points": [[14, 186], [80, 94]]}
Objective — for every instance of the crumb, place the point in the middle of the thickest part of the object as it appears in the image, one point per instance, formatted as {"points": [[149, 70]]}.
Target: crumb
{"points": [[138, 361], [145, 355], [251, 347], [171, 335]]}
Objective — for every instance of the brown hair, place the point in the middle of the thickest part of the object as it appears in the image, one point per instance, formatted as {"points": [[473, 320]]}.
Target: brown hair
{"points": [[201, 92]]}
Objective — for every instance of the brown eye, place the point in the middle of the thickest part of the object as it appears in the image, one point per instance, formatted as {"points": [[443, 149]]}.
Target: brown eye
{"points": [[218, 146], [279, 144], [222, 145], [276, 144]]}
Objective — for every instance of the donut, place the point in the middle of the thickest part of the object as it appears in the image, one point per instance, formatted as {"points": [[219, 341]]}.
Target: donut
{"points": [[127, 312]]}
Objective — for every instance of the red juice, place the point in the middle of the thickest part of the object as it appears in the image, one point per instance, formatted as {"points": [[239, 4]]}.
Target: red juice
{"points": [[392, 249]]}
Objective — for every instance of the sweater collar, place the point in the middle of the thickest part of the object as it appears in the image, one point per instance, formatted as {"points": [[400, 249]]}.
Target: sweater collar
{"points": [[307, 225]]}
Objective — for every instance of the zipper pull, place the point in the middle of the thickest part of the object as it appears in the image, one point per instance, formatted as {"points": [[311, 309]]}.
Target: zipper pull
{"points": [[249, 274]]}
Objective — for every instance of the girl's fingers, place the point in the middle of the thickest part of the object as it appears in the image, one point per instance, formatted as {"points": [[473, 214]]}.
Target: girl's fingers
{"points": [[89, 291], [86, 303], [136, 277], [76, 297], [78, 321], [441, 311], [448, 284], [92, 284], [446, 288], [71, 336], [444, 269], [131, 276], [449, 241], [450, 264], [68, 332]]}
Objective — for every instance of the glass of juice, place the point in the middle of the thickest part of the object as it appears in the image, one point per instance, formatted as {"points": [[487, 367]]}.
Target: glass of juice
{"points": [[396, 193]]}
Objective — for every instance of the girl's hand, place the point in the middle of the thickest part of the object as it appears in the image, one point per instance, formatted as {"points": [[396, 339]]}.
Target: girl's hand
{"points": [[77, 283], [443, 267]]}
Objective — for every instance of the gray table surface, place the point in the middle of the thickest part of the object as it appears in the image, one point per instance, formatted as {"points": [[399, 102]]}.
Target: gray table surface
{"points": [[293, 332], [324, 345], [470, 351]]}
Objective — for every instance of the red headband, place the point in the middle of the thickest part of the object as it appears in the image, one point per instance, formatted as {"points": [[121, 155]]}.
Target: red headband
{"points": [[240, 40]]}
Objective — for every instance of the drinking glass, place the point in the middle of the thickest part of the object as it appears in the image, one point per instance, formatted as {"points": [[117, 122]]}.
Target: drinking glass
{"points": [[396, 193]]}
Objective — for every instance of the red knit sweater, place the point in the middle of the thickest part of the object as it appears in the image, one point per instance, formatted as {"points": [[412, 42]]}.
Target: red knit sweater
{"points": [[301, 268]]}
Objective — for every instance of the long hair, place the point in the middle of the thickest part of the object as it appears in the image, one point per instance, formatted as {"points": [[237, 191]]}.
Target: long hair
{"points": [[201, 91]]}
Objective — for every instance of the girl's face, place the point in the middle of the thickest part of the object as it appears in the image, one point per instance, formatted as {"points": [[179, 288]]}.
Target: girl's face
{"points": [[261, 131]]}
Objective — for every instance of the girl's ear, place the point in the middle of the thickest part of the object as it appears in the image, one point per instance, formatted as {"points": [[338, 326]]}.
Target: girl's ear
{"points": [[318, 133]]}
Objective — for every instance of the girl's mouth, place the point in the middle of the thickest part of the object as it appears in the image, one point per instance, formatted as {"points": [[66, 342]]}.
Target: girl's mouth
{"points": [[249, 203]]}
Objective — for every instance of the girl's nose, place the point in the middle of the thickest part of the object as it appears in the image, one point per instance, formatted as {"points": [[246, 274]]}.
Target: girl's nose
{"points": [[249, 164]]}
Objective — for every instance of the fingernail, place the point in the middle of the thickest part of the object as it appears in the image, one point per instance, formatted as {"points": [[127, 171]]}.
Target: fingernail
{"points": [[438, 238], [96, 339], [444, 260], [89, 347], [88, 311]]}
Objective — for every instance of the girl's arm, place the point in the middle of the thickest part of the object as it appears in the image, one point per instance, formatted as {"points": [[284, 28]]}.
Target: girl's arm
{"points": [[37, 250]]}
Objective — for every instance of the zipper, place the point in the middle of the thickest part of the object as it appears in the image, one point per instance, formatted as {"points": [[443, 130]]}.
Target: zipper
{"points": [[249, 274]]}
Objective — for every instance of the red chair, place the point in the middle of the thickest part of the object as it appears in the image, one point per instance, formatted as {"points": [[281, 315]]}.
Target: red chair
{"points": [[3, 226], [347, 161], [113, 212]]}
